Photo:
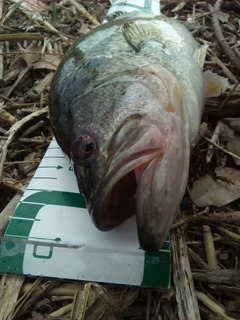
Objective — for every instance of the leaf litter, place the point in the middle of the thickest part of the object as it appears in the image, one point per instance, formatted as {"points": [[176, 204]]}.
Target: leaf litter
{"points": [[206, 234]]}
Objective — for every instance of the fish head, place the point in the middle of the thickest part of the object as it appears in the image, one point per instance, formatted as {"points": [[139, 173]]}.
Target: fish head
{"points": [[127, 142]]}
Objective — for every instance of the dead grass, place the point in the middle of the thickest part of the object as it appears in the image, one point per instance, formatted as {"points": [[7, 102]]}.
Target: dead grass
{"points": [[205, 240]]}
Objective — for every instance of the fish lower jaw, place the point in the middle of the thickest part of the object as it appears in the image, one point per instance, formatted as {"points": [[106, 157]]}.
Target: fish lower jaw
{"points": [[116, 203]]}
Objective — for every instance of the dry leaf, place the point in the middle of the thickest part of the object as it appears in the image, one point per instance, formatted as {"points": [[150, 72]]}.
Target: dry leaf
{"points": [[49, 61], [219, 192], [232, 139], [33, 57], [223, 17]]}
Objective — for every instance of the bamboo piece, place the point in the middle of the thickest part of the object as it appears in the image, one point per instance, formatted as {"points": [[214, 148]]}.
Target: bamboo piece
{"points": [[34, 295], [182, 277], [209, 248], [228, 233], [213, 305], [10, 287], [62, 311], [63, 289]]}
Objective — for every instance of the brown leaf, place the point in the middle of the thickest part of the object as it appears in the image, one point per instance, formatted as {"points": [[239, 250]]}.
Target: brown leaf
{"points": [[33, 57], [225, 189], [49, 61], [30, 56]]}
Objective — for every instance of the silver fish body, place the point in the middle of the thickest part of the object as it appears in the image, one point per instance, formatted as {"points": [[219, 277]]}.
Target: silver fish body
{"points": [[125, 105]]}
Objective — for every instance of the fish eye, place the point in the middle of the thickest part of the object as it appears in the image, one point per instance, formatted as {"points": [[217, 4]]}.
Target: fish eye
{"points": [[83, 147]]}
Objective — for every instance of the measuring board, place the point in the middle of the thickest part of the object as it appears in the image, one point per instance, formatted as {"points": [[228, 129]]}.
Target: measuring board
{"points": [[52, 235]]}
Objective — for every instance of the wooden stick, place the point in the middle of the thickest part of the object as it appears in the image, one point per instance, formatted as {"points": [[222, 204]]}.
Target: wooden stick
{"points": [[222, 149], [182, 277]]}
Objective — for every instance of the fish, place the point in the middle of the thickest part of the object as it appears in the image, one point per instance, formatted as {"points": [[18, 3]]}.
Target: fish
{"points": [[125, 105]]}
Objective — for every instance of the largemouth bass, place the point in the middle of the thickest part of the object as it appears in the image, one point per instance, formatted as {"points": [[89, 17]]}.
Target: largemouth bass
{"points": [[125, 105]]}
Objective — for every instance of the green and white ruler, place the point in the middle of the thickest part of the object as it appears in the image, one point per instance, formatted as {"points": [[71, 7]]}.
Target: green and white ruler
{"points": [[52, 235]]}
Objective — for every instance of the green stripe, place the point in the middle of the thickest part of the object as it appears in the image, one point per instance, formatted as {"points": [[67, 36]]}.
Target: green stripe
{"points": [[157, 269], [59, 198], [12, 254]]}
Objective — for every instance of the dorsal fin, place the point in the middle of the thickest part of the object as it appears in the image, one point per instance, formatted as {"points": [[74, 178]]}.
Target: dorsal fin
{"points": [[137, 32]]}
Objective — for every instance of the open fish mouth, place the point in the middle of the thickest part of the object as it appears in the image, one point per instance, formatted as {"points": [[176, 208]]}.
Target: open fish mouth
{"points": [[115, 199]]}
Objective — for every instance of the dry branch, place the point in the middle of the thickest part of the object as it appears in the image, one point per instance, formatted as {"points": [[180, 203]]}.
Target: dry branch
{"points": [[219, 276], [219, 35]]}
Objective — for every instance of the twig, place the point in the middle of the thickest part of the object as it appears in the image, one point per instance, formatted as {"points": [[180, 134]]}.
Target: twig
{"points": [[228, 95], [21, 36], [222, 149], [220, 38], [10, 89], [214, 139], [190, 219], [83, 11], [198, 260], [225, 70], [14, 131]]}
